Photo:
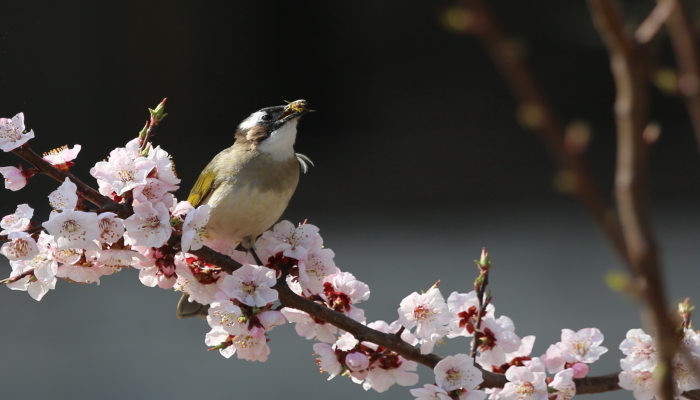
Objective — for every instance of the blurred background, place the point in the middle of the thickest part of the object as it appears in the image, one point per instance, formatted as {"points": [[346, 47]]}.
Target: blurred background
{"points": [[419, 163]]}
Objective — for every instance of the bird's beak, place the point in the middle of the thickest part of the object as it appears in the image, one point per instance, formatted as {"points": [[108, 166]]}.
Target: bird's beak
{"points": [[293, 110]]}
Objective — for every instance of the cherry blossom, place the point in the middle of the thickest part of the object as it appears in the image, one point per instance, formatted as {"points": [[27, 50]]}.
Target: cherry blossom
{"points": [[159, 267], [226, 315], [17, 222], [524, 385], [20, 247], [251, 285], [292, 241], [640, 382], [464, 309], [457, 372], [193, 228], [582, 346], [163, 166], [15, 178], [640, 351], [200, 280], [496, 338], [63, 156], [308, 327], [328, 360], [123, 171], [73, 228], [563, 385], [428, 313], [317, 265], [358, 365], [12, 133], [65, 197], [149, 226], [390, 370], [153, 191], [111, 227]]}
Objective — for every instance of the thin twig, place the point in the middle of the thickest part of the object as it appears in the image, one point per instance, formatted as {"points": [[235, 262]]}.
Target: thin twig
{"points": [[517, 74], [87, 192], [651, 26], [685, 48], [631, 105]]}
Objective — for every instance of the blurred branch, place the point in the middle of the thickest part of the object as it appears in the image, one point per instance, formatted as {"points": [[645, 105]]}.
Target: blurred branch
{"points": [[629, 69], [685, 48], [532, 100]]}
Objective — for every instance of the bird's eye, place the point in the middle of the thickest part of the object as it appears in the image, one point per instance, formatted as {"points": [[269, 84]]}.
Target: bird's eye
{"points": [[266, 117]]}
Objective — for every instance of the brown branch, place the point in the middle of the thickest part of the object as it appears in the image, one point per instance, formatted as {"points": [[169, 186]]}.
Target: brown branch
{"points": [[544, 123], [628, 67], [685, 48], [651, 26], [87, 192]]}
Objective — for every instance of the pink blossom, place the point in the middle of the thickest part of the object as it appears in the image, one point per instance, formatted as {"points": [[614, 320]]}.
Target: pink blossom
{"points": [[194, 228], [308, 328], [65, 197], [328, 361], [428, 313], [62, 155], [498, 338], [640, 382], [15, 178], [20, 247], [395, 369], [582, 346], [580, 370], [464, 312], [524, 385], [457, 372], [73, 228], [394, 327], [123, 171], [149, 226], [158, 269], [358, 365], [111, 227], [317, 265], [564, 385], [252, 346], [153, 191], [552, 359], [251, 285], [293, 242], [163, 166], [430, 392], [197, 278], [17, 222], [640, 351], [12, 133], [226, 315]]}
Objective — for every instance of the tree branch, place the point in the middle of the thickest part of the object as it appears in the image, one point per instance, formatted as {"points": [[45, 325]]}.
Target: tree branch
{"points": [[527, 92], [628, 67], [87, 192]]}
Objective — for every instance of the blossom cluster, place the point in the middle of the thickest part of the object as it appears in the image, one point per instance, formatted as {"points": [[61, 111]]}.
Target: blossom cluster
{"points": [[640, 363], [82, 245]]}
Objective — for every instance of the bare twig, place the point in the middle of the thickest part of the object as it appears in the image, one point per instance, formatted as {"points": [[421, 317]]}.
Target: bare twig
{"points": [[517, 74], [656, 19], [629, 72], [685, 49]]}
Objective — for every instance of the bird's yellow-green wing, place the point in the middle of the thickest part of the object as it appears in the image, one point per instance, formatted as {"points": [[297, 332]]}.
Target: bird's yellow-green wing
{"points": [[203, 186]]}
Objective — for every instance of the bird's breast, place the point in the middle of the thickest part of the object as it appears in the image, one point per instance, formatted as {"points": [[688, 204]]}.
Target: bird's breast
{"points": [[250, 200]]}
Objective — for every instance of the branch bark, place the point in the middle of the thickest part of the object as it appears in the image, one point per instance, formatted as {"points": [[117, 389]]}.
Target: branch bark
{"points": [[516, 72], [628, 66]]}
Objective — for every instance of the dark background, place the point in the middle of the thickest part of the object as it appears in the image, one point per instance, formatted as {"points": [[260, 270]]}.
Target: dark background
{"points": [[419, 163]]}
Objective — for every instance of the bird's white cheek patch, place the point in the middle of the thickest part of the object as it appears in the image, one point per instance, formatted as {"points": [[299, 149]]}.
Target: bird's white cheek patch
{"points": [[251, 121]]}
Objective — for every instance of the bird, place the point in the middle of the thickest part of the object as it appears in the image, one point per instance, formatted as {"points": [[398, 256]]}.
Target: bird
{"points": [[249, 184]]}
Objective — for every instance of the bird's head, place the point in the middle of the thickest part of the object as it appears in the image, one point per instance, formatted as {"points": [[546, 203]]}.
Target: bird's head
{"points": [[272, 130]]}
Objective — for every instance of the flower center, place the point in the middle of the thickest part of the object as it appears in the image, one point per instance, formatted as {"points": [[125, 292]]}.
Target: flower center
{"points": [[454, 375], [526, 389], [71, 226], [249, 287], [422, 312]]}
